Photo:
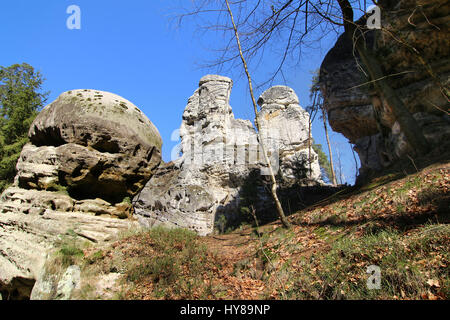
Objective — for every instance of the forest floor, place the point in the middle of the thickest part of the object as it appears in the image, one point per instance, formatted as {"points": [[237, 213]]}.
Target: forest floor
{"points": [[389, 239]]}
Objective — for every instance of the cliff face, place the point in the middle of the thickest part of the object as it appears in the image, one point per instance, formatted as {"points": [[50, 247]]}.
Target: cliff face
{"points": [[219, 152], [413, 50], [89, 150]]}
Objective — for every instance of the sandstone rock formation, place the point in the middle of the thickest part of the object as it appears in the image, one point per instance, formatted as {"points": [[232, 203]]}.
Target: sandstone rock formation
{"points": [[89, 151], [361, 115], [95, 143], [284, 128], [64, 287], [218, 153]]}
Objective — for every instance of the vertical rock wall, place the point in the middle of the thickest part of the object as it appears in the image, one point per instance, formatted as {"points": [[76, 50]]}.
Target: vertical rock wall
{"points": [[364, 117], [218, 153]]}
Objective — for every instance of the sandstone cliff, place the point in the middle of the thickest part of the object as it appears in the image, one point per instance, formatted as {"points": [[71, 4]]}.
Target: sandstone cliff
{"points": [[361, 115], [90, 151], [218, 154]]}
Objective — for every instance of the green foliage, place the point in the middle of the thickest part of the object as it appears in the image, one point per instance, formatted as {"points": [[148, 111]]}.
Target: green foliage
{"points": [[166, 239], [126, 200], [324, 163], [221, 223], [58, 188], [300, 168], [95, 257], [249, 192], [9, 154], [163, 270], [266, 255], [20, 100], [69, 252], [173, 267], [405, 266]]}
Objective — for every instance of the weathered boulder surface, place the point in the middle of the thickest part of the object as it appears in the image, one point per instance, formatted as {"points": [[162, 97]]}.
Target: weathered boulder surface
{"points": [[47, 283], [187, 192], [30, 223], [361, 114], [95, 143], [89, 151], [284, 128], [218, 153]]}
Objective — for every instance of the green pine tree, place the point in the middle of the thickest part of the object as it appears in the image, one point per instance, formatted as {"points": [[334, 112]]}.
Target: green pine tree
{"points": [[21, 98], [325, 167]]}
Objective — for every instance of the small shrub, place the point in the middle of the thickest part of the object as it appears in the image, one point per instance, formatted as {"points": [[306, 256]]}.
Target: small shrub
{"points": [[172, 263], [58, 189], [69, 254], [404, 263], [97, 256], [221, 223], [126, 200]]}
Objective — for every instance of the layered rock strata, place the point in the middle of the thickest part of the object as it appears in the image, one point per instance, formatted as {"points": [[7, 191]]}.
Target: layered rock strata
{"points": [[413, 50], [218, 153], [90, 152]]}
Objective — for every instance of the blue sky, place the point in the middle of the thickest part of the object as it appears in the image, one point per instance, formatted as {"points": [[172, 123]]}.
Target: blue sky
{"points": [[132, 49]]}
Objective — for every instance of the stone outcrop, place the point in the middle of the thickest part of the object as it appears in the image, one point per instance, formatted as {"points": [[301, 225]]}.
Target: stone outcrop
{"points": [[64, 287], [95, 143], [90, 152], [364, 117], [284, 128], [218, 153]]}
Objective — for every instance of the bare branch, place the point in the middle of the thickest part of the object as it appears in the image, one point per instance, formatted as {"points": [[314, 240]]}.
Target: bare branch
{"points": [[283, 219]]}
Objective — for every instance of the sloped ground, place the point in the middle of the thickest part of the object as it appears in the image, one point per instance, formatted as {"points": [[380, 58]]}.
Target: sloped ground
{"points": [[400, 226]]}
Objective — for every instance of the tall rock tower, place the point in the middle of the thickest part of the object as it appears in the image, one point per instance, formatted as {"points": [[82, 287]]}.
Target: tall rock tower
{"points": [[218, 154]]}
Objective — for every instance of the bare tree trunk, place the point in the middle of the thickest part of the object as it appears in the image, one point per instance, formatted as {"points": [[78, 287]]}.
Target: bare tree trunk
{"points": [[333, 175], [356, 162], [280, 210], [312, 116], [407, 122], [309, 147], [341, 176]]}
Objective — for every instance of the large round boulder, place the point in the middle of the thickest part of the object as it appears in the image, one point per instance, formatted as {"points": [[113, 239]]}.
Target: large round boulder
{"points": [[91, 143]]}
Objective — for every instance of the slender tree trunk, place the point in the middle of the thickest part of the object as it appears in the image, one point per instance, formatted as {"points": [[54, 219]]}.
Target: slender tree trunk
{"points": [[333, 175], [356, 162], [280, 210], [312, 116], [309, 147], [341, 176], [408, 124]]}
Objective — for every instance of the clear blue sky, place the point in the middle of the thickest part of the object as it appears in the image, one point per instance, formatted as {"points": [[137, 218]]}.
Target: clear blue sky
{"points": [[132, 49]]}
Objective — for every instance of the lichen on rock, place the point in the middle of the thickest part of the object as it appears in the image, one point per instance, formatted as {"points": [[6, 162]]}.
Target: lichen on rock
{"points": [[89, 151]]}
